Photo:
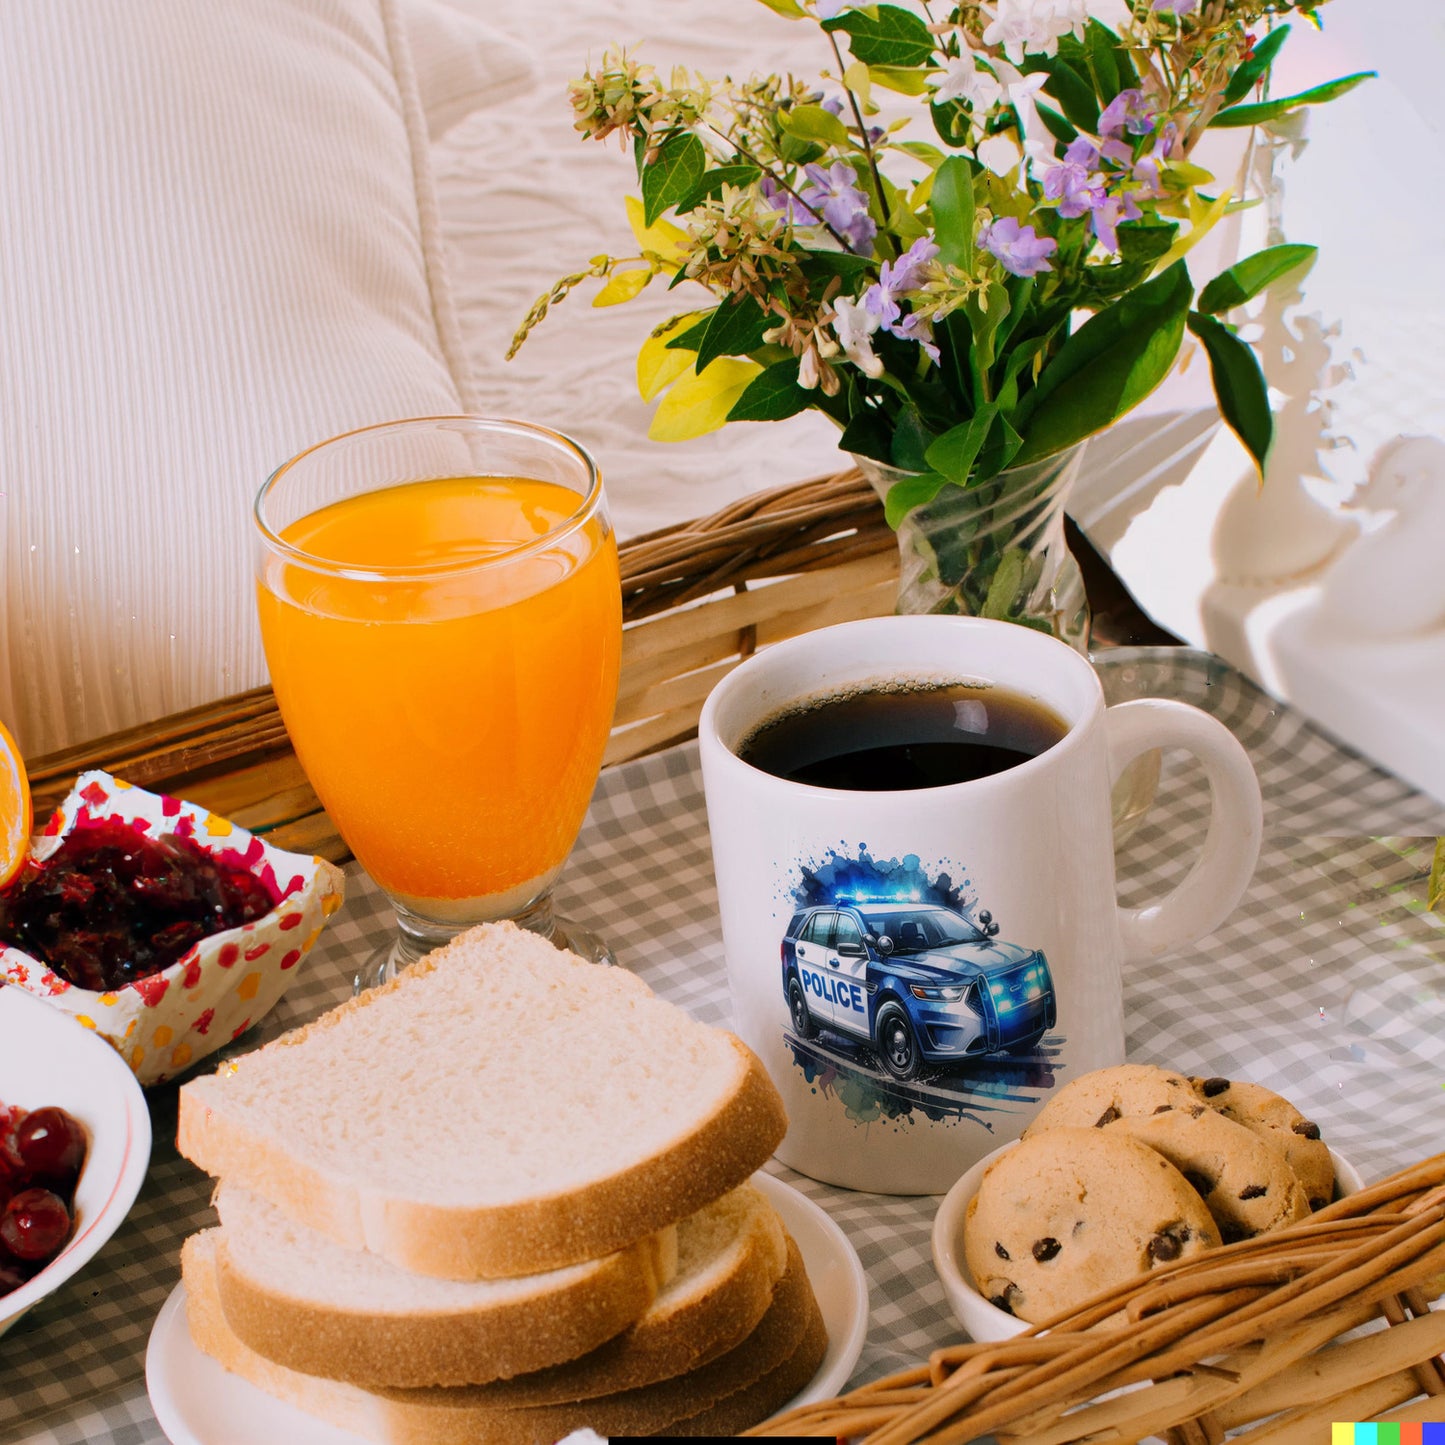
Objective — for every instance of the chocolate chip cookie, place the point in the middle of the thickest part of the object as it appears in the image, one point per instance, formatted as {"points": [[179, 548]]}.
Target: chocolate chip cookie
{"points": [[1069, 1212], [1103, 1095], [1278, 1122], [1245, 1183]]}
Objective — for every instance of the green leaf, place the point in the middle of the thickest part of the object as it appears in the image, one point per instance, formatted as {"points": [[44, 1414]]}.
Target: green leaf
{"points": [[951, 202], [1252, 71], [1099, 53], [1145, 241], [1435, 897], [672, 174], [846, 264], [1073, 92], [1000, 449], [986, 321], [1239, 385], [954, 453], [1107, 367], [885, 35], [911, 440], [788, 9], [952, 122], [913, 491], [899, 78], [710, 183], [1005, 584], [1056, 125], [773, 395], [691, 339], [921, 150], [868, 434], [1247, 278], [734, 329], [1238, 115], [813, 123]]}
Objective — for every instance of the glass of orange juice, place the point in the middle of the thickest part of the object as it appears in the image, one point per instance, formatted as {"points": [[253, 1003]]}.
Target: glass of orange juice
{"points": [[442, 616]]}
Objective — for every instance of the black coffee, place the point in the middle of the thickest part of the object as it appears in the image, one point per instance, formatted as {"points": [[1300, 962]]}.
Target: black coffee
{"points": [[904, 735]]}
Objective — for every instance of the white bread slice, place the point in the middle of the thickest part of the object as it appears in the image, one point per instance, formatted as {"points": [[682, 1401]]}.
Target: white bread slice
{"points": [[500, 1108], [739, 1388], [730, 1256], [312, 1305]]}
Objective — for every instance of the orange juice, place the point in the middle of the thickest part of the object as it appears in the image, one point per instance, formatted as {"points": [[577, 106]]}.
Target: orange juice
{"points": [[450, 699]]}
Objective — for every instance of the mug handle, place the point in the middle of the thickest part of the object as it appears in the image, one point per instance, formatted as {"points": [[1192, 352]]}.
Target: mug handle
{"points": [[1221, 873]]}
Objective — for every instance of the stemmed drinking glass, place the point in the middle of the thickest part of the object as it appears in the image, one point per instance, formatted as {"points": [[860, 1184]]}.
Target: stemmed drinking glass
{"points": [[441, 613]]}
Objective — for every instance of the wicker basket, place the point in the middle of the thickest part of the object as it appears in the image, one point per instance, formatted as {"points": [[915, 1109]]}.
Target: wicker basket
{"points": [[1265, 1334], [697, 599]]}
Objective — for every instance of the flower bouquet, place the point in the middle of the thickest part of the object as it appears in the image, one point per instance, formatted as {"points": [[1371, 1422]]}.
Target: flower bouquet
{"points": [[966, 245]]}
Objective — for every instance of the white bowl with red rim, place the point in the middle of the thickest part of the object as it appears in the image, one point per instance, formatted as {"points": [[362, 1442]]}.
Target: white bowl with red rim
{"points": [[982, 1320], [46, 1058]]}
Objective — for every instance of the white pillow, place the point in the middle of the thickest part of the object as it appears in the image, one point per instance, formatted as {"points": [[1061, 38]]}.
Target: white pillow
{"points": [[218, 245], [460, 64]]}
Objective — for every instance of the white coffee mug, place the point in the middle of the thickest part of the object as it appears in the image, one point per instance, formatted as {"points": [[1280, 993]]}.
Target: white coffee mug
{"points": [[918, 969]]}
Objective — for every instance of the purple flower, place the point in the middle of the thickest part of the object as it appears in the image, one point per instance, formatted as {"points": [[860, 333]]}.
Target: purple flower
{"points": [[1076, 189], [1176, 7], [1108, 216], [1146, 169], [1131, 111], [779, 198], [833, 105], [834, 194], [878, 301], [897, 279], [917, 328], [909, 271], [1020, 249], [1082, 152]]}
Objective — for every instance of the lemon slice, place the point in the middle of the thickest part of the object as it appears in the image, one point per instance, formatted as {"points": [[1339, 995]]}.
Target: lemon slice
{"points": [[15, 813]]}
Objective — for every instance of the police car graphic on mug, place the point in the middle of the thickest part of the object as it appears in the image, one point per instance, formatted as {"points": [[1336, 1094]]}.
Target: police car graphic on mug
{"points": [[919, 962]]}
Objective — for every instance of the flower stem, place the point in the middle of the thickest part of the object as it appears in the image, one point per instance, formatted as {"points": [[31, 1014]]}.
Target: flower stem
{"points": [[782, 181], [862, 135]]}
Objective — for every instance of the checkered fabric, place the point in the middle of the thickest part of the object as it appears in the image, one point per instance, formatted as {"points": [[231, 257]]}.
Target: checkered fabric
{"points": [[1327, 984]]}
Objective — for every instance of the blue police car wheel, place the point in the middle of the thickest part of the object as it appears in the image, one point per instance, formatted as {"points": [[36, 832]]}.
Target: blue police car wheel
{"points": [[897, 1044], [803, 1024]]}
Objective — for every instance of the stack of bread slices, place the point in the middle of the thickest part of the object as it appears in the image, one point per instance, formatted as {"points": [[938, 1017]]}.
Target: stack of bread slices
{"points": [[501, 1198]]}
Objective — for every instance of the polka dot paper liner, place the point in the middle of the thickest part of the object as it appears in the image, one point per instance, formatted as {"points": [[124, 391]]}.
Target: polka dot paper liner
{"points": [[223, 984]]}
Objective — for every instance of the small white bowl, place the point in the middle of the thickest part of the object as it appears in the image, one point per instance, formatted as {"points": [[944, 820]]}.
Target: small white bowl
{"points": [[48, 1058], [984, 1321]]}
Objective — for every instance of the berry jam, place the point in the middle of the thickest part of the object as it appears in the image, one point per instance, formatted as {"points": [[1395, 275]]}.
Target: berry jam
{"points": [[112, 905], [41, 1154]]}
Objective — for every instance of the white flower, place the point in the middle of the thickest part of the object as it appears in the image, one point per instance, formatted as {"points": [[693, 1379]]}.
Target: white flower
{"points": [[854, 325], [966, 79], [1000, 154], [1033, 26]]}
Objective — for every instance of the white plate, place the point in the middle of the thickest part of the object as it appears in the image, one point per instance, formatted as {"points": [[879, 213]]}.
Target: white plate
{"points": [[199, 1403], [48, 1058]]}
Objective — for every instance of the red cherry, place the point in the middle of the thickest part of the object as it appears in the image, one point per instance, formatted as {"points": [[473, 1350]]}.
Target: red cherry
{"points": [[51, 1145], [34, 1225]]}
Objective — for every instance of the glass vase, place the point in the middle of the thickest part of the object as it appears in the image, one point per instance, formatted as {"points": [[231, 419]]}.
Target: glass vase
{"points": [[994, 548]]}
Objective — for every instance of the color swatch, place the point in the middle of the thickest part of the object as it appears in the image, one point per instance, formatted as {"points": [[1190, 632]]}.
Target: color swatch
{"points": [[1383, 1433]]}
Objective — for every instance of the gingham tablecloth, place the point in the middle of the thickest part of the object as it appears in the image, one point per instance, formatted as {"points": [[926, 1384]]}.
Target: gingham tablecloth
{"points": [[1327, 984]]}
